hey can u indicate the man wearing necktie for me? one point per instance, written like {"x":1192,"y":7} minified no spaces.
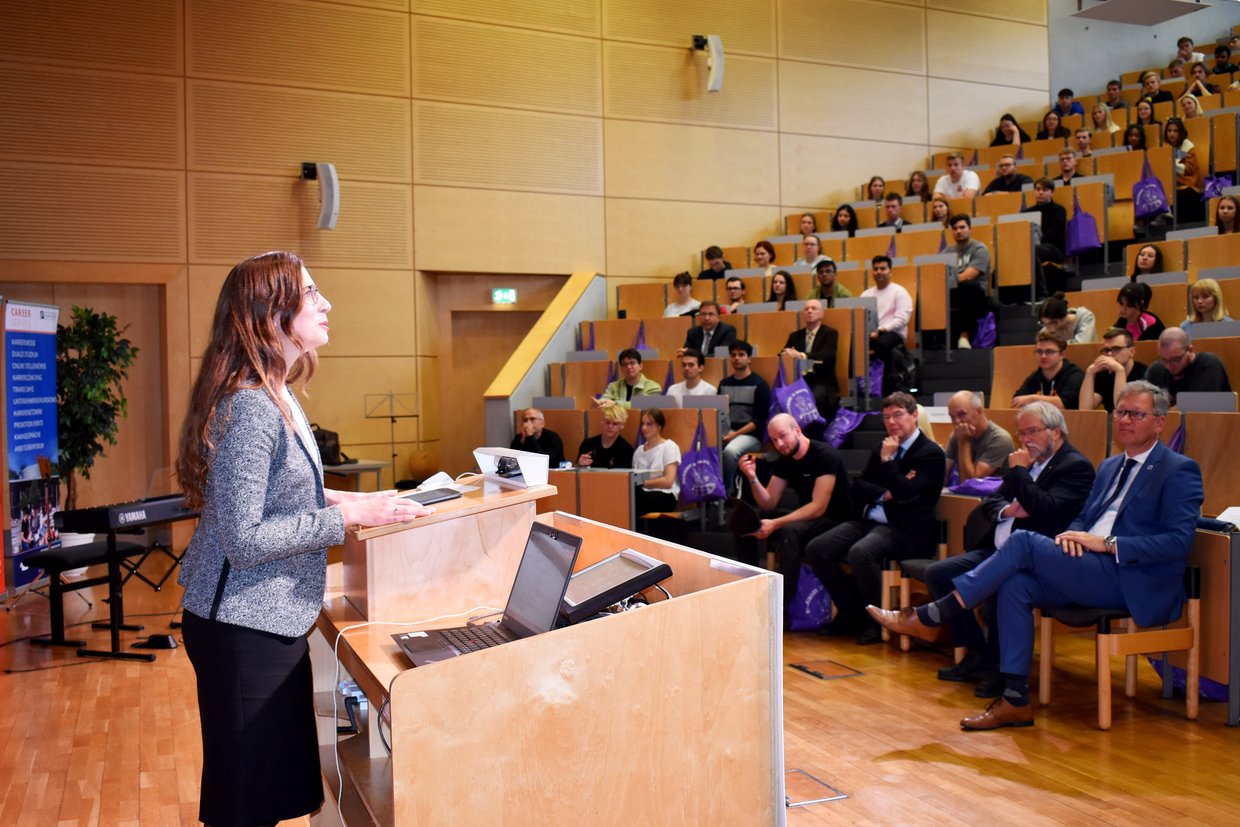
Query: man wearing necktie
{"x":893,"y":506}
{"x":817,"y":342}
{"x":1126,"y":550}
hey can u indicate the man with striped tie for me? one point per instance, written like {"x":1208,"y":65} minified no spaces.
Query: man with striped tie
{"x":1126,"y":550}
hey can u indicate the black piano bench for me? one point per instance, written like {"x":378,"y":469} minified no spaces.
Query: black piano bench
{"x":55,"y":562}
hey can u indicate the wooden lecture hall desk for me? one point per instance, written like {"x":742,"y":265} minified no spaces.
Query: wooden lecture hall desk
{"x":352,"y":472}
{"x":673,"y":708}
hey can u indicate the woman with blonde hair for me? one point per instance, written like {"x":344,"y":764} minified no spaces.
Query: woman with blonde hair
{"x":1206,"y":301}
{"x":1189,"y":107}
{"x":1100,"y":119}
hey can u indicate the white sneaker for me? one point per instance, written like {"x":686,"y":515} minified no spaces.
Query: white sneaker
{"x":963,"y":344}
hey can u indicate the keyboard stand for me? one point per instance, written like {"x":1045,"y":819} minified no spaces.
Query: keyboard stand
{"x":116,"y":612}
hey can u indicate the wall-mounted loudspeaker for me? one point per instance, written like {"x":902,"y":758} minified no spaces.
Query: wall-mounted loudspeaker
{"x":712,"y":44}
{"x":329,"y":191}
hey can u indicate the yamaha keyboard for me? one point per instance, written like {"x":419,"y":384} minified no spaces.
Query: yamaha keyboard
{"x":125,"y":516}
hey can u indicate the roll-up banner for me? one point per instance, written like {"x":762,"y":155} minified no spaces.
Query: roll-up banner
{"x":30,"y":434}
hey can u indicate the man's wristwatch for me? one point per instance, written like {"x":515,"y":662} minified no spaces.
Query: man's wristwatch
{"x":1110,"y":542}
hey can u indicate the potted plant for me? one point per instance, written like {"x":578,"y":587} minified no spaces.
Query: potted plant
{"x":92,"y":359}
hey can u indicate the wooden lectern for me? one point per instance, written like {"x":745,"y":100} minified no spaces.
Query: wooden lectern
{"x":672,"y":713}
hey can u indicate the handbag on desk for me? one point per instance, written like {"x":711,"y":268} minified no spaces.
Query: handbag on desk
{"x":329,"y":446}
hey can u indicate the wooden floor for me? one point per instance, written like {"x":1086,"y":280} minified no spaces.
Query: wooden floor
{"x":117,"y":743}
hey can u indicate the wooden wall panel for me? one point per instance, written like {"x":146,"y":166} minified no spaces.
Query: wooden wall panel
{"x":234,"y":216}
{"x":337,"y":395}
{"x":575,"y":18}
{"x":135,"y":35}
{"x":1026,"y":11}
{"x":68,"y":213}
{"x":204,"y":289}
{"x":662,"y":84}
{"x":365,"y":136}
{"x":961,"y":112}
{"x":853,"y":33}
{"x":999,"y":51}
{"x":480,"y":230}
{"x":748,"y":25}
{"x":318,"y":45}
{"x":63,"y":114}
{"x":813,"y":97}
{"x":372,"y":311}
{"x":825,"y":172}
{"x":648,"y":160}
{"x":521,"y":68}
{"x":661,"y":238}
{"x":507,"y":149}
{"x":429,"y":389}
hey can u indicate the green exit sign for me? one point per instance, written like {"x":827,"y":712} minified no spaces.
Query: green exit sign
{"x":504,"y":295}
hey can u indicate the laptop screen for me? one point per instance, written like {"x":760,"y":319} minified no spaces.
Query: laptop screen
{"x":541,"y":580}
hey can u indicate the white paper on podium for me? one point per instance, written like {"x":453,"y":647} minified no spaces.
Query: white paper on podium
{"x":533,"y":466}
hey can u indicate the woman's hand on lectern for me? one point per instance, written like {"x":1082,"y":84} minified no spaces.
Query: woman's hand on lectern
{"x":381,"y":508}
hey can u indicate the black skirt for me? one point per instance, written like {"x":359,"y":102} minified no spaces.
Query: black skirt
{"x":260,"y":752}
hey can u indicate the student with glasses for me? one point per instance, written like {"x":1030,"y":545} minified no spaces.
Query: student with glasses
{"x":1180,"y":368}
{"x":1056,"y":380}
{"x":1114,"y":368}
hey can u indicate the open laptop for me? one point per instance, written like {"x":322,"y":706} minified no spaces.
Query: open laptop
{"x":533,"y":604}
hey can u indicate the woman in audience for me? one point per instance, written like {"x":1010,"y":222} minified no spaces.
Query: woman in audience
{"x":1143,"y":113}
{"x":1206,"y":299}
{"x":1148,"y":260}
{"x":684,"y":304}
{"x":1225,"y":217}
{"x":1134,"y":315}
{"x":844,"y":220}
{"x":877,"y":189}
{"x":656,"y":454}
{"x":1100,"y":119}
{"x":1134,"y":138}
{"x":1009,"y":133}
{"x":783,"y":289}
{"x":940,"y":209}
{"x":918,"y":186}
{"x":764,"y":257}
{"x":1188,"y":183}
{"x":809,"y":224}
{"x":1199,"y":81}
{"x":1051,"y":127}
{"x":1189,"y":107}
{"x":607,"y":449}
{"x":1074,"y":324}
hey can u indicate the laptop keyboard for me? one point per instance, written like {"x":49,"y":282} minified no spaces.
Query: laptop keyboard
{"x":475,"y":637}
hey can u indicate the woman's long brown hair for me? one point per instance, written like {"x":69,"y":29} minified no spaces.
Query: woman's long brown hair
{"x":257,"y":304}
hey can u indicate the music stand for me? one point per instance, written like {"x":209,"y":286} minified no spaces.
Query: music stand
{"x":391,"y":406}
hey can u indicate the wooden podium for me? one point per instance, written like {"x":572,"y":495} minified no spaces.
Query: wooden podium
{"x":671,"y":713}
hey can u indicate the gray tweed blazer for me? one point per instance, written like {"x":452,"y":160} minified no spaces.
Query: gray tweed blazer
{"x":258,"y":557}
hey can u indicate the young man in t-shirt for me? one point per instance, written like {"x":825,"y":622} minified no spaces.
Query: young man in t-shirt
{"x":1056,"y":380}
{"x":1114,"y":368}
{"x":691,"y":364}
{"x":815,"y":472}
{"x":1180,"y":368}
{"x":749,"y":400}
{"x":958,"y":182}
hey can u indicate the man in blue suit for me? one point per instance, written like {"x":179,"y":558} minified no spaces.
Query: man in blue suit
{"x":1126,"y":550}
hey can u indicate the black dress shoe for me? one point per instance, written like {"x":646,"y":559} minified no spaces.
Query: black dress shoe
{"x":971,"y":668}
{"x":990,"y":686}
{"x":871,"y":634}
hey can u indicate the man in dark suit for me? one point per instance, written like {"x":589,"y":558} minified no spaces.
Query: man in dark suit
{"x":894,"y":500}
{"x":817,"y":342}
{"x":1127,"y":550}
{"x":1042,"y":492}
{"x":709,"y":333}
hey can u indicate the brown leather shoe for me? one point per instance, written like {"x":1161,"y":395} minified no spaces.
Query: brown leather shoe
{"x":999,"y":714}
{"x":901,"y":621}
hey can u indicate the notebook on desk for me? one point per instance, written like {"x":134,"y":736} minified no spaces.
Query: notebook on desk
{"x":533,"y":604}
